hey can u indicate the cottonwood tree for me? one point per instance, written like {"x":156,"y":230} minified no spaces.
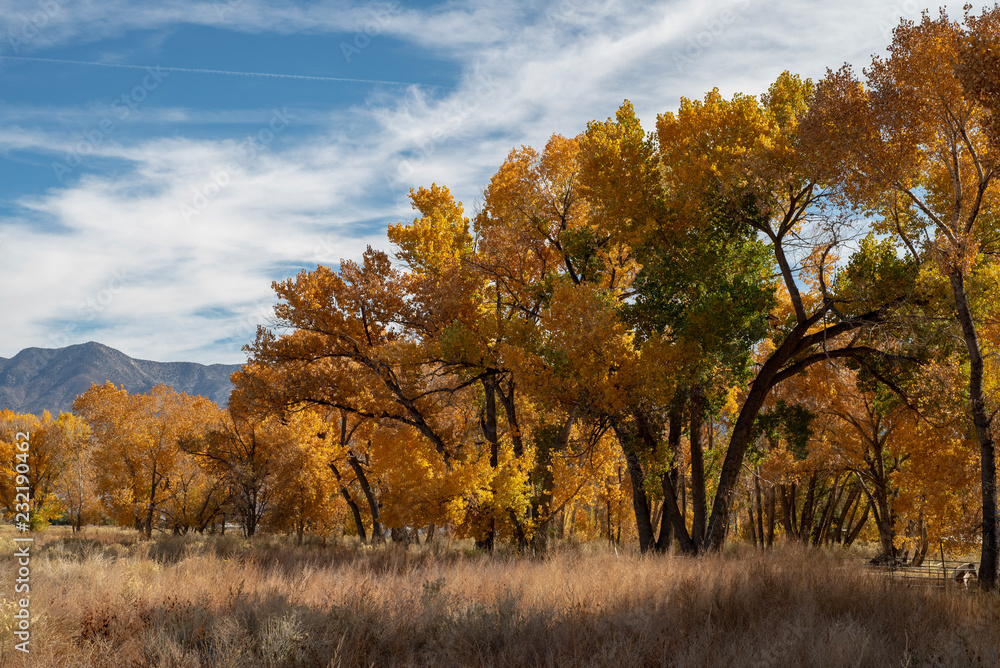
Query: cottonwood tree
{"x":703,"y":290}
{"x":263,"y":461}
{"x":356,"y":345}
{"x":46,"y":460}
{"x":75,"y":485}
{"x":302,"y":489}
{"x":136,"y":451}
{"x":464,"y":326}
{"x":197,"y":498}
{"x":732,"y":167}
{"x":915,"y":142}
{"x":543,"y":258}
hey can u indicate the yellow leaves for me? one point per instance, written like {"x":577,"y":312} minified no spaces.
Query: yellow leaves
{"x":137,"y":450}
{"x":924,"y":465}
{"x":535,"y":303}
{"x":619,"y":175}
{"x":735,"y":150}
{"x":492,"y":494}
{"x":979,"y":63}
{"x":912,"y":128}
{"x":509,"y":483}
{"x":585,"y":350}
{"x":701,"y":146}
{"x":534,"y":224}
{"x":938,"y":482}
{"x":536,"y":192}
{"x":438,"y":238}
{"x":47,"y":459}
{"x":303,"y":490}
{"x":787,"y":99}
{"x":415,"y":488}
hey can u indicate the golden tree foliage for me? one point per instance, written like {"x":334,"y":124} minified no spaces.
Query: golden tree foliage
{"x":136,"y":451}
{"x":196,"y":498}
{"x":416,"y":488}
{"x":298,"y":490}
{"x":75,"y":485}
{"x":915,"y":142}
{"x":914,"y":461}
{"x":438,"y":238}
{"x":46,"y":460}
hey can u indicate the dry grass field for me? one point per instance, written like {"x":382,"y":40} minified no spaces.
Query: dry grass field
{"x":109,"y":599}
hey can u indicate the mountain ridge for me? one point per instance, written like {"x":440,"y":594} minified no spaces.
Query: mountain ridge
{"x":39,"y":379}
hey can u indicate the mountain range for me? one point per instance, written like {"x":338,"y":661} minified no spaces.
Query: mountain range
{"x":40,"y":379}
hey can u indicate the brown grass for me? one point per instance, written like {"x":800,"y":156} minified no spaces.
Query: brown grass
{"x":109,"y":599}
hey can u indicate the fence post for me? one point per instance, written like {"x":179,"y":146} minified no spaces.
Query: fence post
{"x":944,"y":569}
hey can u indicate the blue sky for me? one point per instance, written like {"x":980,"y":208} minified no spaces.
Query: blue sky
{"x":153,"y":180}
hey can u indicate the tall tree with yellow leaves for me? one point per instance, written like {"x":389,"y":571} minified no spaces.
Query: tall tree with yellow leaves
{"x":136,"y":451}
{"x":916,"y":142}
{"x":71,"y":436}
{"x":46,"y":462}
{"x":722,"y":193}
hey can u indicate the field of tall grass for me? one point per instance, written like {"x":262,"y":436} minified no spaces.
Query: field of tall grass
{"x":106,"y":598}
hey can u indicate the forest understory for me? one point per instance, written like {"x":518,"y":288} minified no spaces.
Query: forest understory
{"x":107,"y":597}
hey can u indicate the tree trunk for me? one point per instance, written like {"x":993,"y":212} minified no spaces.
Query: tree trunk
{"x":519,"y":534}
{"x":806,"y":518}
{"x":671,"y":512}
{"x":684,"y":498}
{"x":488,"y":422}
{"x":510,"y":408}
{"x":611,"y":536}
{"x":797,"y":341}
{"x":359,"y":523}
{"x":378,"y":533}
{"x":699,"y":509}
{"x":833,"y":497}
{"x":760,"y":507}
{"x":543,"y":472}
{"x":147,"y":527}
{"x":640,"y":502}
{"x":990,"y":561}
{"x":402,"y":535}
{"x":850,"y":506}
{"x":853,"y":533}
{"x":656,"y":517}
{"x":918,"y":529}
{"x":884,"y":520}
{"x":739,"y":442}
{"x":669,"y":486}
{"x":787,"y":499}
{"x":252,"y":509}
{"x":770,"y":515}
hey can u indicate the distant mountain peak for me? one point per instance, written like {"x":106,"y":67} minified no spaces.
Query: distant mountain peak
{"x":40,"y":379}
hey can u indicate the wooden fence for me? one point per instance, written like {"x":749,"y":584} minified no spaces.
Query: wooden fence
{"x":931,"y":573}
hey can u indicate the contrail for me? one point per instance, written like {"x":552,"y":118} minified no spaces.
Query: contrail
{"x":206,"y":71}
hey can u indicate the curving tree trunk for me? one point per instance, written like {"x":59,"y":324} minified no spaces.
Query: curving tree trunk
{"x":990,"y":562}
{"x":378,"y":533}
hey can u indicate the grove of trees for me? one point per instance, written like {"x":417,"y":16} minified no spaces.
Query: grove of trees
{"x":774,"y":317}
